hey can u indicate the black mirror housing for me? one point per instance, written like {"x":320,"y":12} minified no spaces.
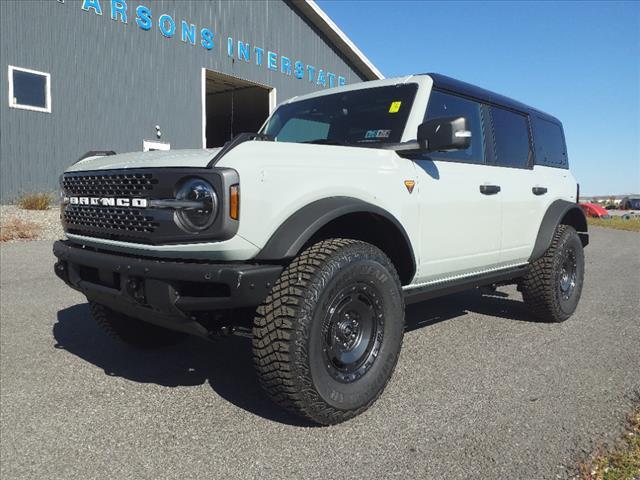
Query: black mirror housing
{"x":444,"y":134}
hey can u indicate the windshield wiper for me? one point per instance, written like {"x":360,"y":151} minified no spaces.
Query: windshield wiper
{"x":325,"y":141}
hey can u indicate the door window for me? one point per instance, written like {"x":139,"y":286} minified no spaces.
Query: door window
{"x":446,"y":105}
{"x":511,"y":134}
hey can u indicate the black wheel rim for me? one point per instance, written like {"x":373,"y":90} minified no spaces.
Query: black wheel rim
{"x":567,"y":278}
{"x":352,"y":332}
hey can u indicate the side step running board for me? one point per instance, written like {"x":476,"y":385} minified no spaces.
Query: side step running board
{"x":427,"y":292}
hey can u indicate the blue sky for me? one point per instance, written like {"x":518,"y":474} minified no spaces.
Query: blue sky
{"x":579,"y":61}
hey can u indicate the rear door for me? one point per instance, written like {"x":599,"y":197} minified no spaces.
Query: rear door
{"x":460,"y":210}
{"x":523,"y":195}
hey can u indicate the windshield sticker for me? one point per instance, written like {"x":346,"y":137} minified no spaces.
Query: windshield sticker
{"x":395,"y":107}
{"x":377,"y":134}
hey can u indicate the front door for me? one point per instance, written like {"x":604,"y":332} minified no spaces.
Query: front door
{"x":460,"y":207}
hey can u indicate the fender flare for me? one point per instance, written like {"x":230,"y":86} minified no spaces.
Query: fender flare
{"x":554,"y":216}
{"x":291,"y":236}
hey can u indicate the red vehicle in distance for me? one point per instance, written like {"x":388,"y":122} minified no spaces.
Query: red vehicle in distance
{"x":594,"y":210}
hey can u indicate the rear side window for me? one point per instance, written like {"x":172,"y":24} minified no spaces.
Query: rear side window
{"x":549,"y":141}
{"x":445,"y":105}
{"x":511,"y":135}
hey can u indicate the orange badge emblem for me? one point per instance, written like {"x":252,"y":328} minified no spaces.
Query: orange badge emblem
{"x":409,"y":184}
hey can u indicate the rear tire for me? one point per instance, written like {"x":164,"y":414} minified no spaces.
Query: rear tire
{"x":327,"y":338}
{"x":132,"y":331}
{"x":552,"y":287}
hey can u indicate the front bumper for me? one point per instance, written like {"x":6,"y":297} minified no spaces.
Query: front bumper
{"x":169,"y":293}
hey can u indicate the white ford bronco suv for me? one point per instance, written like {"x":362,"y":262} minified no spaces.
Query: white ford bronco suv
{"x":347,"y":205}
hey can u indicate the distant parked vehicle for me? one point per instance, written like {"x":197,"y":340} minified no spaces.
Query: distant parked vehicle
{"x":594,"y":210}
{"x":630,"y":203}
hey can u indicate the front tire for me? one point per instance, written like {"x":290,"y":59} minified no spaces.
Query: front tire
{"x":327,"y":338}
{"x":552,"y":287}
{"x":132,"y":331}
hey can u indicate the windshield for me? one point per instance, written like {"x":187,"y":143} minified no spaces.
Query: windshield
{"x":634,"y":203}
{"x":358,"y":117}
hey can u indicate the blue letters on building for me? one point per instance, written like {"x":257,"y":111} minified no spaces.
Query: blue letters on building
{"x":167,"y":25}
{"x":143,"y":17}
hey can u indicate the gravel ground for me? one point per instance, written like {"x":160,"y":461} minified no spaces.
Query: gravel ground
{"x":479,"y":392}
{"x":47,"y":220}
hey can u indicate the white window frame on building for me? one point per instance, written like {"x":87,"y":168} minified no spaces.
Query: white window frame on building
{"x":12,"y":100}
{"x":153,"y":145}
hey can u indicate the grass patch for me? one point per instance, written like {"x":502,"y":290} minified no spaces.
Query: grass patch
{"x":17,"y":229}
{"x":621,"y":463}
{"x":617,"y":223}
{"x":36,"y":201}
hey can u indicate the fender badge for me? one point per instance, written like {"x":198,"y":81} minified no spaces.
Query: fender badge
{"x":409,"y":184}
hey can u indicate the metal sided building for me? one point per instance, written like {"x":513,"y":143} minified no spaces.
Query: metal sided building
{"x":127,"y":75}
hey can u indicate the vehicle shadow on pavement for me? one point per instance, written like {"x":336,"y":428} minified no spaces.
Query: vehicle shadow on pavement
{"x":495,"y":304}
{"x":226,"y":365}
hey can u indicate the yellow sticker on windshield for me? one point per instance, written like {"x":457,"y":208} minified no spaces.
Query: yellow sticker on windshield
{"x":395,"y":107}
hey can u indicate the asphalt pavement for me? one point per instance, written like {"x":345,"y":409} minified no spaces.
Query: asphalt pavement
{"x":480,"y":391}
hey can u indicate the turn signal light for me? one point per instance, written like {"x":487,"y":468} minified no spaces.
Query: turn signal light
{"x":234,"y":202}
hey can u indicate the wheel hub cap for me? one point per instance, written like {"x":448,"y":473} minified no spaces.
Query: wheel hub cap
{"x":348,"y":331}
{"x":352,"y":332}
{"x":568,"y":274}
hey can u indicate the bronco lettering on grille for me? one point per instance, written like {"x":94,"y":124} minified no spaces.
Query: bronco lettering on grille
{"x":107,"y":201}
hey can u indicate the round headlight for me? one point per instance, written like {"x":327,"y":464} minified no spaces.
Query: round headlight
{"x":204,"y":205}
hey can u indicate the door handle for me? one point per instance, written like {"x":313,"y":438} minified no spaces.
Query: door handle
{"x":489,"y":189}
{"x":539,"y":190}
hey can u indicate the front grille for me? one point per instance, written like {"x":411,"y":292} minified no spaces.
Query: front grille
{"x":110,"y":185}
{"x":99,"y":211}
{"x":99,"y":219}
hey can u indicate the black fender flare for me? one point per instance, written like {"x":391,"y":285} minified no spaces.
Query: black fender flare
{"x":295,"y":232}
{"x":559,"y":212}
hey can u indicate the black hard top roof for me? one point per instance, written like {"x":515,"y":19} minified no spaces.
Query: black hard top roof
{"x":442,"y":82}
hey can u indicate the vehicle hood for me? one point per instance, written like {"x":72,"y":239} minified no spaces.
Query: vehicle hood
{"x":154,"y":159}
{"x":256,"y":154}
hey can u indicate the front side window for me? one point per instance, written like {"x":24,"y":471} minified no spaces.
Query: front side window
{"x":511,"y":135}
{"x":360,"y":118}
{"x":29,"y":89}
{"x":446,"y":105}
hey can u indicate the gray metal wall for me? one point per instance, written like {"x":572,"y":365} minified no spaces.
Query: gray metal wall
{"x":113,"y":82}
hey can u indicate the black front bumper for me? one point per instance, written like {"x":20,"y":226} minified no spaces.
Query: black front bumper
{"x":164,"y":292}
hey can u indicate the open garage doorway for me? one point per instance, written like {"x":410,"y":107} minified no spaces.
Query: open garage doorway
{"x":232,"y":106}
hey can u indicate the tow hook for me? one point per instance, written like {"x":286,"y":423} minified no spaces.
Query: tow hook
{"x":135,"y":288}
{"x":61,"y":271}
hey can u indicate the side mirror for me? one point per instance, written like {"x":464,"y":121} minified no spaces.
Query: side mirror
{"x":444,"y":134}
